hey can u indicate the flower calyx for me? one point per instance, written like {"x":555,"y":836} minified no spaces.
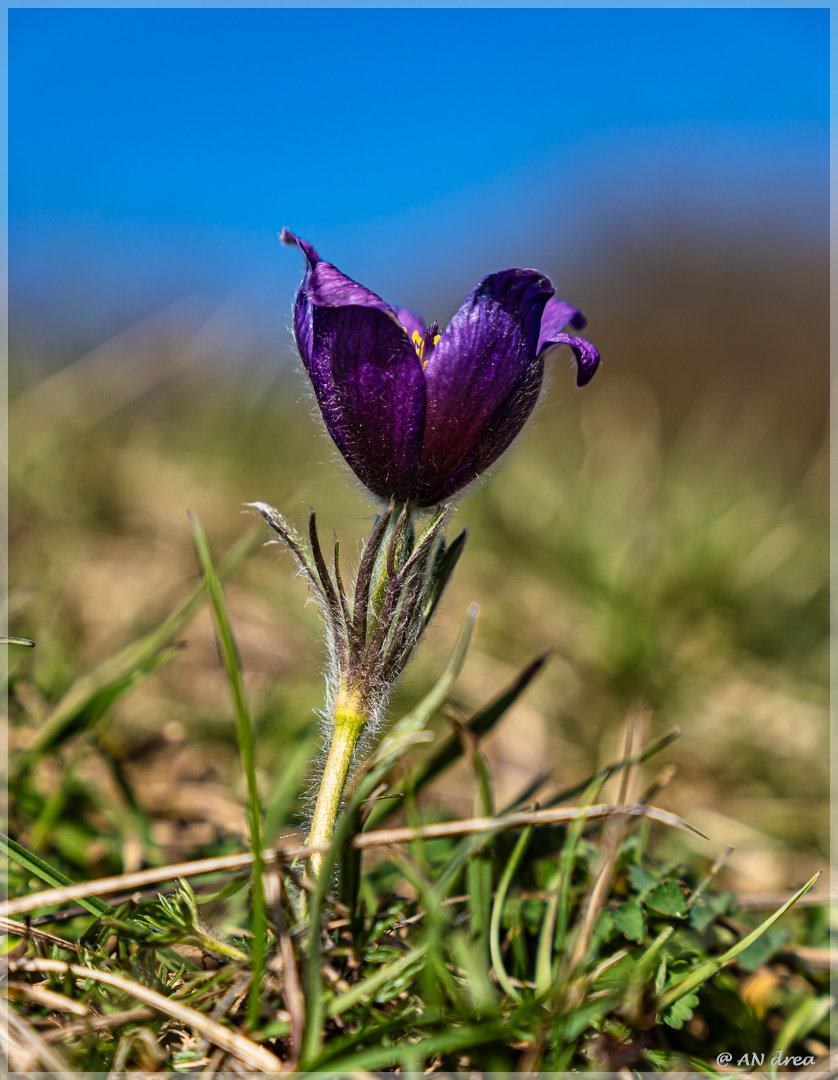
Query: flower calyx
{"x":373,"y":630}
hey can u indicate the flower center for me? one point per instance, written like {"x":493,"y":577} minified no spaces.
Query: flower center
{"x":424,"y":343}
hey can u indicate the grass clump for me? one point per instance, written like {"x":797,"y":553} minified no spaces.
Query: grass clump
{"x":566,"y":946}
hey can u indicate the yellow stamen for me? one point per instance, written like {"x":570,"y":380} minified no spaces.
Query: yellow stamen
{"x":419,"y":343}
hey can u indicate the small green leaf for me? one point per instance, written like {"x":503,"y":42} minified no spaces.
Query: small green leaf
{"x":680,"y":1012}
{"x":641,"y":879}
{"x":668,"y":898}
{"x":630,"y":921}
{"x":701,"y":915}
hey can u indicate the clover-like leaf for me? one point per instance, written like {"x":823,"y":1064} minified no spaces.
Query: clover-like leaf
{"x":668,"y":899}
{"x":630,"y":920}
{"x":679,"y":1013}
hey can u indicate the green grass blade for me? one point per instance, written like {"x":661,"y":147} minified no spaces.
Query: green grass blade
{"x":244,"y":735}
{"x":37,"y":866}
{"x":707,"y":970}
{"x":546,"y":937}
{"x":566,"y":864}
{"x":497,"y":911}
{"x":553,"y":934}
{"x":468,"y":956}
{"x":480,"y":871}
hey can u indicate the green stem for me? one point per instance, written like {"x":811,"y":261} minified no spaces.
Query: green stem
{"x":349,"y":719}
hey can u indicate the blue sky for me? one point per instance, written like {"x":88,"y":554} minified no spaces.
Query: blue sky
{"x":156,"y":153}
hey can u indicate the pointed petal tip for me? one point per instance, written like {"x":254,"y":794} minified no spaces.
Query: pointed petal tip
{"x":292,"y":240}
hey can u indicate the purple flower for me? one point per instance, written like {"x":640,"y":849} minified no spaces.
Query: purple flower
{"x":417,"y":412}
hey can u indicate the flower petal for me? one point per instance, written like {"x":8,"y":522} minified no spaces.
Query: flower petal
{"x":485,"y":352}
{"x":371,"y":391}
{"x":365,"y":372}
{"x":557,"y":315}
{"x":587,"y":356}
{"x":498,"y":432}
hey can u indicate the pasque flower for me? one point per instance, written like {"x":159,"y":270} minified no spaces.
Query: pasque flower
{"x":419,"y":412}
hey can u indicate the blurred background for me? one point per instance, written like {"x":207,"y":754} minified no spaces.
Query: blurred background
{"x":664,"y":530}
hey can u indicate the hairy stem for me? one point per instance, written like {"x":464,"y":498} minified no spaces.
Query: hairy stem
{"x":349,"y":720}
